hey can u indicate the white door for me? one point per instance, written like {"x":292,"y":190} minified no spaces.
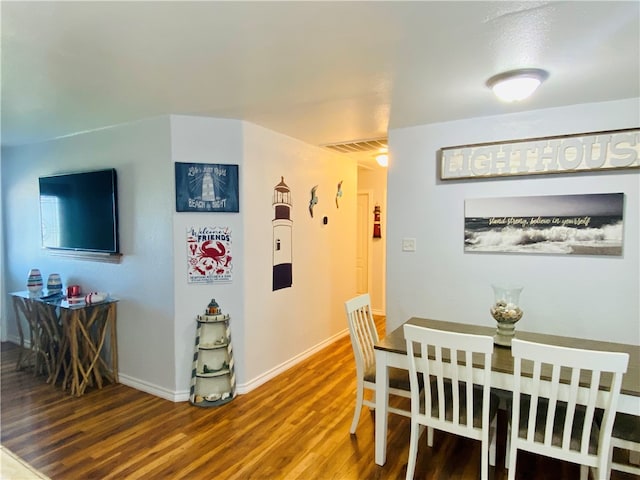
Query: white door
{"x":362,"y":250}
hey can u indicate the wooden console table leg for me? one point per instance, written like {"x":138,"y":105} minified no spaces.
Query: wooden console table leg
{"x":93,"y":331}
{"x":90,"y":352}
{"x":73,"y":349}
{"x":113,"y":342}
{"x":36,"y":339}
{"x":20,"y":305}
{"x":49,"y":336}
{"x":62,"y":364}
{"x":28,"y":357}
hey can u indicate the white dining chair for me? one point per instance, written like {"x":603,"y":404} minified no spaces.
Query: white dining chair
{"x":364,"y":335}
{"x":459,"y":398}
{"x":555,"y":415}
{"x":626,"y":436}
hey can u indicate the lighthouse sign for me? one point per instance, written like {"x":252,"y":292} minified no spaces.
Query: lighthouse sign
{"x":206,"y":187}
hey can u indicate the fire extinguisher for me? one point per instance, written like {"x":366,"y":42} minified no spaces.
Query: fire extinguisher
{"x":376,"y":222}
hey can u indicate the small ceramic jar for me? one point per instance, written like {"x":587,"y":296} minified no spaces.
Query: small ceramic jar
{"x":34,"y":282}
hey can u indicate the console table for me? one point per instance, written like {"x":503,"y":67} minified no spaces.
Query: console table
{"x":68,"y":340}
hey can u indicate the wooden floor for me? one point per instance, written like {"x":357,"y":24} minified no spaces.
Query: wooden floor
{"x":296,"y":426}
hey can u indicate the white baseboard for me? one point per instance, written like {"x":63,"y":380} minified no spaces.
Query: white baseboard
{"x":15,"y":339}
{"x":183,"y":396}
{"x":152,"y":389}
{"x":132,"y":382}
{"x":274,"y":372}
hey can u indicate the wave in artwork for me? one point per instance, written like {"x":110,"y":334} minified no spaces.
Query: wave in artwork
{"x":580,"y":234}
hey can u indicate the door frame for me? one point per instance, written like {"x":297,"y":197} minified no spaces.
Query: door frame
{"x":367,"y":229}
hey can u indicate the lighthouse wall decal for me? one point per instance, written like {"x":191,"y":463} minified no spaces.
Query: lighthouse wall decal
{"x":282,"y":233}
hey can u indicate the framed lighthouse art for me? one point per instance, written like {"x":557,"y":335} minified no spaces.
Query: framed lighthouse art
{"x":206,"y":187}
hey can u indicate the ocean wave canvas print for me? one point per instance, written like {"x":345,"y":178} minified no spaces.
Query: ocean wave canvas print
{"x":585,"y":224}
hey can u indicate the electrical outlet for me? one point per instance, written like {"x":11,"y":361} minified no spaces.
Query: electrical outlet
{"x":408,"y":244}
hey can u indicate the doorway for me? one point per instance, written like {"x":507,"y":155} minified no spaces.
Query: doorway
{"x":371,"y":252}
{"x":363,"y":280}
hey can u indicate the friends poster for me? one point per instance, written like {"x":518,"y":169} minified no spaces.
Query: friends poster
{"x":209,"y":255}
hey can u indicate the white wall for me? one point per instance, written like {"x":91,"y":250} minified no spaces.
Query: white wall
{"x":292,"y":322}
{"x":581,"y":296}
{"x":206,"y":140}
{"x":143,"y":281}
{"x":270,"y":330}
{"x":157,"y":308}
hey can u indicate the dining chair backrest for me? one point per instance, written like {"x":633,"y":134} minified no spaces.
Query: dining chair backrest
{"x":450,"y":372}
{"x":455,"y":369}
{"x":362,"y":330}
{"x":555,"y":393}
{"x":364,"y":336}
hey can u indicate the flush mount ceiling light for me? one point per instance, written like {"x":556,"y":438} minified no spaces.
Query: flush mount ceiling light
{"x":516,"y":85}
{"x":382,"y":159}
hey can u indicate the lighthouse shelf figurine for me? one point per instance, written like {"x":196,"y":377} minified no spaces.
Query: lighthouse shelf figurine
{"x":213,"y":381}
{"x":507,"y":312}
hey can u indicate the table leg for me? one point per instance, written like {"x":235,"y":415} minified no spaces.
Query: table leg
{"x":73,"y":349}
{"x":50,"y":336}
{"x":63,"y":365}
{"x":86,"y":348}
{"x":42,"y":340}
{"x":20,"y":305}
{"x":36,"y":344}
{"x":92,"y":327}
{"x":97,"y":321}
{"x":83,"y":342}
{"x":113,"y":345}
{"x":382,"y":400}
{"x":37,"y":336}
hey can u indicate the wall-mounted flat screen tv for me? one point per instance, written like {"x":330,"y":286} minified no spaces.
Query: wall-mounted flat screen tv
{"x":79,"y":211}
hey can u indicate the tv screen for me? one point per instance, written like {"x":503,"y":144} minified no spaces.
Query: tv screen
{"x":79,"y":211}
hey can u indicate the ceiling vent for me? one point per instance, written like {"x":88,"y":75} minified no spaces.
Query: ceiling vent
{"x":362,"y":146}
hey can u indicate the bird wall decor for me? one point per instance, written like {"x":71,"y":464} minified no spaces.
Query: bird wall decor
{"x":314,"y":200}
{"x":339,"y":193}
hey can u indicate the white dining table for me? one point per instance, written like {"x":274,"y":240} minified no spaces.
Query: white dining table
{"x":391,"y":351}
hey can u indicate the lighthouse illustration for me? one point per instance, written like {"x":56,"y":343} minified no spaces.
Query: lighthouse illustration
{"x":208,"y":188}
{"x":282,"y":268}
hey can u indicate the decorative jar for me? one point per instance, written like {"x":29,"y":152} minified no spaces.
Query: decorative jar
{"x":54,"y":284}
{"x":506,"y":311}
{"x":34,"y":282}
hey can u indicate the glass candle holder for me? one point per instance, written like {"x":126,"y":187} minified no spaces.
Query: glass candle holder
{"x":506,"y":311}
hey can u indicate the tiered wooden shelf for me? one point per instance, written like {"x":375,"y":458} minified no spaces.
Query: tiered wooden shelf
{"x":213,"y":380}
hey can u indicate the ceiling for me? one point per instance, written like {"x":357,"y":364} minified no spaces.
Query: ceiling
{"x":322,"y":72}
